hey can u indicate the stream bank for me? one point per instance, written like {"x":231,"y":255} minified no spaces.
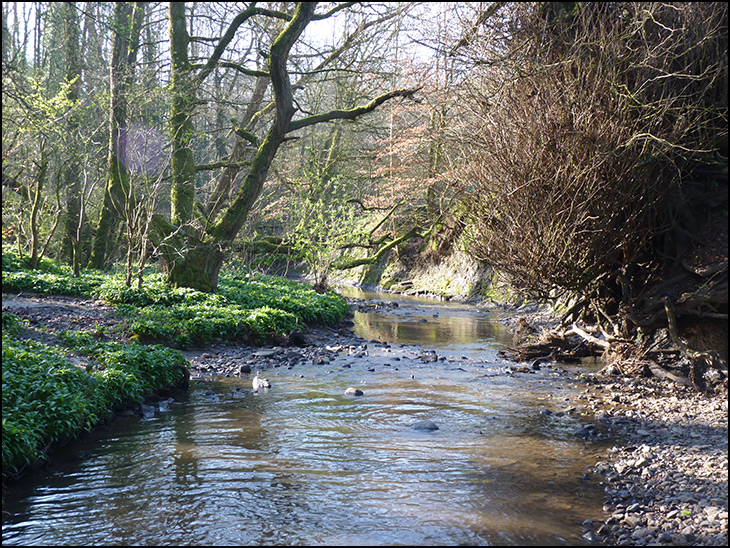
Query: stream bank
{"x":667,"y":477}
{"x":665,"y":472}
{"x":308,"y":464}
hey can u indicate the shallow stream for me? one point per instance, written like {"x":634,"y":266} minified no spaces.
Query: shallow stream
{"x":304,"y":464}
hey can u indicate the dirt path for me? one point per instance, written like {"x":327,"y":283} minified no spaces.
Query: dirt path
{"x":47,"y":315}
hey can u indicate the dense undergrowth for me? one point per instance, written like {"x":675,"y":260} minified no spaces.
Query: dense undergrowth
{"x":51,"y":393}
{"x":47,"y":398}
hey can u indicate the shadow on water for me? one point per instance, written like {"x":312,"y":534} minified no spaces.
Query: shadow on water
{"x":304,"y":464}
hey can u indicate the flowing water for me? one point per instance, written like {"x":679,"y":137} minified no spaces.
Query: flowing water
{"x":303,"y":464}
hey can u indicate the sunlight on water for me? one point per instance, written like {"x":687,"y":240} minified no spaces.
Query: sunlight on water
{"x":447,"y":326}
{"x":304,"y":464}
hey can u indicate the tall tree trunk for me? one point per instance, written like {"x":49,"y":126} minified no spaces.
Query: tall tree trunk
{"x":72,"y":169}
{"x":35,"y":206}
{"x":181,"y":125}
{"x":127,"y":23}
{"x":193,"y":262}
{"x":193,"y":258}
{"x":226,"y":229}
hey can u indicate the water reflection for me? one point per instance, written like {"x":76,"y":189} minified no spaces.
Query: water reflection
{"x":450,"y":326}
{"x":304,"y":464}
{"x":467,"y":335}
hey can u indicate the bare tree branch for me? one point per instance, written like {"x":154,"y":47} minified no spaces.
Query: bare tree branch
{"x":353,"y":113}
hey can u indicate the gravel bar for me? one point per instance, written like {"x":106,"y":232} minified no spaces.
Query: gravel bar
{"x":666,"y":480}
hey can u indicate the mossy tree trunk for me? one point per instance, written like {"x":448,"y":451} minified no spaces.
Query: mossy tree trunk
{"x":127,"y":23}
{"x":192,"y":254}
{"x":181,"y":123}
{"x":195,"y":262}
{"x":187,"y":261}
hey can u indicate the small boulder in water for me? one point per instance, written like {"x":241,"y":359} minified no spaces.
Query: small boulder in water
{"x":147,"y":410}
{"x":429,"y":356}
{"x":425,"y":425}
{"x":259,"y":383}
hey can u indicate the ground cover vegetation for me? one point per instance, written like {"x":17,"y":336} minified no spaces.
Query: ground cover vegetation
{"x":54,"y":389}
{"x":248,"y":307}
{"x":48,"y":398}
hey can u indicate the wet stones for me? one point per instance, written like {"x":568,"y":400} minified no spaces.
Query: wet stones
{"x":429,"y":356}
{"x":425,"y":425}
{"x":241,"y":360}
{"x":362,"y":305}
{"x":666,"y":482}
{"x":589,"y":432}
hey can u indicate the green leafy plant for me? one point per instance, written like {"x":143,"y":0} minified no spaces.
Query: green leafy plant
{"x":247,"y":305}
{"x":46,"y":398}
{"x":325,"y":227}
{"x":12,"y":324}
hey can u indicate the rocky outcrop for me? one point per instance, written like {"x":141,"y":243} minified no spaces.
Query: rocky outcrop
{"x":456,"y":276}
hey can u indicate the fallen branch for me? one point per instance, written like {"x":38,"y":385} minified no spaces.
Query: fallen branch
{"x":575,"y":330}
{"x":662,"y":373}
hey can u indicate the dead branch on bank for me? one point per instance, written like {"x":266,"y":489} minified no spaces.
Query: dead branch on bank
{"x":702,"y":301}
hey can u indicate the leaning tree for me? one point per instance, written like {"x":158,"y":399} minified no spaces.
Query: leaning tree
{"x":194,"y":241}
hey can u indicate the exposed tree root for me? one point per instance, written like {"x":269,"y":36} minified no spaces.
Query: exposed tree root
{"x":680,"y":363}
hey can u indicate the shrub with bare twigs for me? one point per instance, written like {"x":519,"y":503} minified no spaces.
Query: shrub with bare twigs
{"x":597,"y":147}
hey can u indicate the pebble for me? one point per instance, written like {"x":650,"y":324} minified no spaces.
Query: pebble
{"x":427,"y":425}
{"x":666,"y":478}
